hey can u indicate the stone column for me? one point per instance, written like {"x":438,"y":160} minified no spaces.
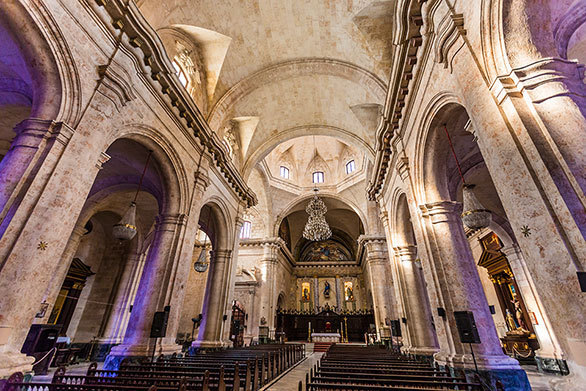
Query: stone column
{"x":30,"y":137}
{"x":114,"y":331}
{"x":338,"y":293}
{"x":315,"y":293}
{"x":210,"y":330}
{"x":417,"y":310}
{"x":268,"y":266}
{"x":381,"y":282}
{"x":460,"y":289}
{"x":59,"y":276}
{"x":152,"y":291}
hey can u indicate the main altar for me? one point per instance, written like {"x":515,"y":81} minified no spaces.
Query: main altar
{"x":326,"y":337}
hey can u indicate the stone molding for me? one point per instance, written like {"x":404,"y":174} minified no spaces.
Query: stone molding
{"x":567,"y":25}
{"x":126,"y":17}
{"x":168,"y":222}
{"x":407,"y":47}
{"x":31,"y":131}
{"x":536,"y":74}
{"x":406,"y":252}
{"x":402,"y":167}
{"x":448,"y":32}
{"x":104,"y":157}
{"x":441,"y":211}
{"x":116,"y":86}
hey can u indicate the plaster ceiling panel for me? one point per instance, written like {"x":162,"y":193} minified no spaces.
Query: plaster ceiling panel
{"x":265,"y":32}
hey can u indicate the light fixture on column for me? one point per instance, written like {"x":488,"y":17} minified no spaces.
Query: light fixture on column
{"x":316,"y":228}
{"x":474,"y":215}
{"x":125,"y":229}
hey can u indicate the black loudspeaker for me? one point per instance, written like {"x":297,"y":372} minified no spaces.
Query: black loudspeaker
{"x":466,"y":327}
{"x":582,"y":280}
{"x":396,"y":328}
{"x":491,"y":309}
{"x":159,"y":327}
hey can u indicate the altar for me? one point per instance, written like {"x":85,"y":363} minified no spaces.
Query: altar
{"x":326,"y":337}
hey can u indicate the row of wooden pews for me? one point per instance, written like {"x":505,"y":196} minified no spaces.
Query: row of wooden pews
{"x":242,"y":369}
{"x":357,"y":368}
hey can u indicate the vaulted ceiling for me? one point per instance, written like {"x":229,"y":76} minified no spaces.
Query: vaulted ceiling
{"x":294,"y":67}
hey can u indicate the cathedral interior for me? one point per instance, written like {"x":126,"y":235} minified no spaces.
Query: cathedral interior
{"x":224,"y":177}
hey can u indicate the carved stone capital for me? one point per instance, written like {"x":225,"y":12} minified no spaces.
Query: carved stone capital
{"x":31,"y":131}
{"x":441,"y":211}
{"x":169,"y":222}
{"x":406,"y":253}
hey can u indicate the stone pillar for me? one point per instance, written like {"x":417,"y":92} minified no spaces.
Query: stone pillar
{"x":268,"y":266}
{"x":315,"y":293}
{"x":460,"y":289}
{"x":339,"y":293}
{"x":59,"y":276}
{"x":419,"y":326}
{"x":30,"y":137}
{"x":116,"y":325}
{"x":210,"y":330}
{"x":153,"y":291}
{"x":550,"y":354}
{"x":377,"y":266}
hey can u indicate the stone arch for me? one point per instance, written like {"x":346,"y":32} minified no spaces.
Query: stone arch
{"x":287,"y":210}
{"x":174,"y":175}
{"x":305,"y":130}
{"x":54,"y":78}
{"x":431,"y":180}
{"x":295,"y":68}
{"x":219,"y":217}
{"x":401,"y":221}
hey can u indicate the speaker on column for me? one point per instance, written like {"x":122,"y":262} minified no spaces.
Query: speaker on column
{"x":159,"y":326}
{"x":466,"y":327}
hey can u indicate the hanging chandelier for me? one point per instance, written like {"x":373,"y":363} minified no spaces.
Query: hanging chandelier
{"x":474,"y":215}
{"x":125,"y":229}
{"x":316,"y":228}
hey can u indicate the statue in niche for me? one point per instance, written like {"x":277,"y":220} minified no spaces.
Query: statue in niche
{"x":349,"y":293}
{"x":518,"y":313}
{"x":511,"y":324}
{"x":305,"y":294}
{"x":327,"y":289}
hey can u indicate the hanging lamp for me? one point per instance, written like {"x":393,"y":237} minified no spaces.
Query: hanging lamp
{"x":125,"y":229}
{"x":474,"y":215}
{"x":316,"y":228}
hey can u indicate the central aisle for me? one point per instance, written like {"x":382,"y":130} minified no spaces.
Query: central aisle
{"x":290,"y":381}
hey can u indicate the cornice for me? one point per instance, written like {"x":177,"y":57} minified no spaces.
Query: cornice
{"x":399,"y":87}
{"x":125,"y":16}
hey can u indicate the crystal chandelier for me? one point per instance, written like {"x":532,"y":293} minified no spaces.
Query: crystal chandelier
{"x":316,"y":228}
{"x":474,"y":215}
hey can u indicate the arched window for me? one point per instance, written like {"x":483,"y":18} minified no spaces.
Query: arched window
{"x":318,"y":177}
{"x":350,"y":167}
{"x":245,"y":230}
{"x":180,"y":74}
{"x":284,"y":172}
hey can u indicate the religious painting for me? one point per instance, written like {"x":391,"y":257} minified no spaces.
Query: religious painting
{"x":348,"y":291}
{"x":305,"y":291}
{"x":325,"y":251}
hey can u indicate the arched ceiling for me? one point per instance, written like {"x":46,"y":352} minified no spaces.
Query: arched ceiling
{"x":319,"y":66}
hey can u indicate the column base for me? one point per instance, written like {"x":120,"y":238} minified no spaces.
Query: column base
{"x":15,"y":362}
{"x":511,"y":379}
{"x":552,"y":365}
{"x":420,"y":351}
{"x":137,"y":353}
{"x":205,"y":344}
